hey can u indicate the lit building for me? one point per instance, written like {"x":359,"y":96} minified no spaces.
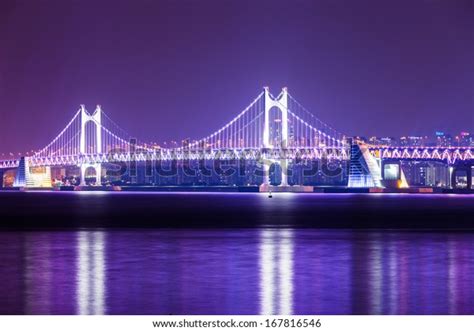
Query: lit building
{"x":466,"y":139}
{"x":413,"y":141}
{"x":443,"y":139}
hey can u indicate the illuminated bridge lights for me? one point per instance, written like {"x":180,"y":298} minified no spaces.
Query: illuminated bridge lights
{"x":448,"y":154}
{"x":277,"y":129}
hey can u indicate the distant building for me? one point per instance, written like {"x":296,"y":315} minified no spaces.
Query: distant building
{"x":466,"y":139}
{"x":440,"y":139}
{"x":426,"y":173}
{"x":389,"y":141}
{"x":413,"y":141}
{"x":383,"y":141}
{"x":443,"y":139}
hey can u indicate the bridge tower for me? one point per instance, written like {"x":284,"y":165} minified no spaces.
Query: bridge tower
{"x":96,"y":118}
{"x":281,"y":103}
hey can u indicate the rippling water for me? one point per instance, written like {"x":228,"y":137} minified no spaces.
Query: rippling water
{"x":236,"y":271}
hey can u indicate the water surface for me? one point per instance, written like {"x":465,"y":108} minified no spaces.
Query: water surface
{"x":246,"y":271}
{"x":171,"y":253}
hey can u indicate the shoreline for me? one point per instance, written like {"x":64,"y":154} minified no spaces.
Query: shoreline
{"x":243,"y":189}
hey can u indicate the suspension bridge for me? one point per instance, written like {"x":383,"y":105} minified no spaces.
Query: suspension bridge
{"x":270,"y":130}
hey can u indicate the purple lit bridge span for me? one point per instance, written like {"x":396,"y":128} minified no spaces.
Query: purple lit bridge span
{"x":270,"y":130}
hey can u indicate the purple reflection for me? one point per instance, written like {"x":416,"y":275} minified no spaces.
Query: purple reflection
{"x":90,"y":290}
{"x":460,"y":279}
{"x":276,"y":272}
{"x":177,"y":272}
{"x":251,"y":271}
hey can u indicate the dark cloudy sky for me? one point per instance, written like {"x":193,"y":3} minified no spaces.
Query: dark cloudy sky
{"x":174,"y":69}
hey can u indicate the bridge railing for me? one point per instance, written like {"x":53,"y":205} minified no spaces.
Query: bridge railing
{"x":449,"y":154}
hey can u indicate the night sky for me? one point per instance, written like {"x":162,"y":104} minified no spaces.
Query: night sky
{"x":170,"y":70}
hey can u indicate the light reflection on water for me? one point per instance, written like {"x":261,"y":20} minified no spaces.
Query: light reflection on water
{"x":375,"y":274}
{"x":251,"y":271}
{"x":276,"y":272}
{"x":91,"y":273}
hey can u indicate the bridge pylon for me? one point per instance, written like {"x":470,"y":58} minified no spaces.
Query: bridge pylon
{"x":98,"y":173}
{"x":281,"y":103}
{"x":96,"y":118}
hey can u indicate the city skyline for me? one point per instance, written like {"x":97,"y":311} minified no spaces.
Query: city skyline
{"x":412,"y":82}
